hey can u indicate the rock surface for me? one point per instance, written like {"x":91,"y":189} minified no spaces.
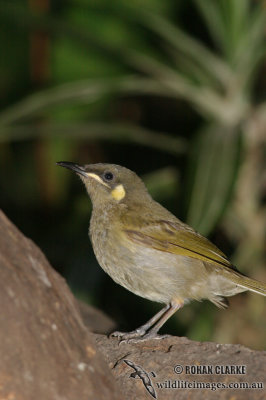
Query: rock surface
{"x":46,"y":351}
{"x":173,"y":362}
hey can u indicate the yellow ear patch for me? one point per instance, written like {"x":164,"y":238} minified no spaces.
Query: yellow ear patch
{"x":118,"y":193}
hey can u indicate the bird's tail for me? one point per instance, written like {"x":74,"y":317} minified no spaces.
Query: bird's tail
{"x":248,"y":283}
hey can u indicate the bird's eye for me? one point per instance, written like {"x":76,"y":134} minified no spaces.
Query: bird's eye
{"x":108,"y":176}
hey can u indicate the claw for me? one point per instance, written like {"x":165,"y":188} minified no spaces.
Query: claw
{"x":136,"y":336}
{"x":116,"y":334}
{"x":129,"y":335}
{"x":148,"y":336}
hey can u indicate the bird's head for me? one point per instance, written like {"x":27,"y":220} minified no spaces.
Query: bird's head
{"x":109,"y":183}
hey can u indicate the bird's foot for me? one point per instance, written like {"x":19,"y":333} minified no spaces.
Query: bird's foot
{"x":136,"y":336}
{"x":147,"y":336}
{"x":124,"y":336}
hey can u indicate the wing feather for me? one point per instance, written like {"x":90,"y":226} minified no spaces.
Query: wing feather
{"x":179,"y":239}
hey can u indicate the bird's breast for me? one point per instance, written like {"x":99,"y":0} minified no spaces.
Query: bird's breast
{"x":147,"y":272}
{"x":109,"y":246}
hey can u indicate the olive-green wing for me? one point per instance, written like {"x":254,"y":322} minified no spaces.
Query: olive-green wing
{"x":177,"y":238}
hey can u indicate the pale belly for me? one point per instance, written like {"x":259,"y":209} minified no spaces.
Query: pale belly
{"x":152,"y":274}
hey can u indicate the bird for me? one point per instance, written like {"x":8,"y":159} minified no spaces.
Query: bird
{"x":146,"y":249}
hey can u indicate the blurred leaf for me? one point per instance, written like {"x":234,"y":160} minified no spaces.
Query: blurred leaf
{"x":213,"y":19}
{"x":188,"y":47}
{"x":19,"y":15}
{"x":112,"y":132}
{"x":237,"y":28}
{"x":225,"y":20}
{"x":209,"y":83}
{"x":82,"y":35}
{"x":166,"y":82}
{"x":251,"y":47}
{"x":214,"y":164}
{"x":79,"y":92}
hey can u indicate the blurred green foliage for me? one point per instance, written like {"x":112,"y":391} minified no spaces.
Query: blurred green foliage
{"x":172,"y":90}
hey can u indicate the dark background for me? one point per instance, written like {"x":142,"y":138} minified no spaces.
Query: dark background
{"x":172,"y":90}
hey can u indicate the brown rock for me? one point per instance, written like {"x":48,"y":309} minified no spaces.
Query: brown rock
{"x":94,"y":319}
{"x":175,"y":362}
{"x":46,"y":351}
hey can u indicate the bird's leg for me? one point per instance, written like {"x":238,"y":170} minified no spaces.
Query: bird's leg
{"x":153,"y":332}
{"x":149,"y":330}
{"x":143,"y":328}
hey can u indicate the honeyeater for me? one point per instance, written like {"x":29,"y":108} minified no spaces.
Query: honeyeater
{"x":146,"y":249}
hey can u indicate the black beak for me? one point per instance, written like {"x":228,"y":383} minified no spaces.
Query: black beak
{"x":74,"y":167}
